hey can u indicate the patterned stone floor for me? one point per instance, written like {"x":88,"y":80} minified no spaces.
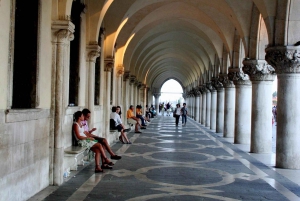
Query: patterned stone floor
{"x":177,"y":163}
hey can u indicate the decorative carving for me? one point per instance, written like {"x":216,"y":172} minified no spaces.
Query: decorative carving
{"x":156,"y":95}
{"x":285,"y":59}
{"x":132,"y":79}
{"x":259,"y":70}
{"x":93,"y":55}
{"x":126,"y":76}
{"x":223,"y":78}
{"x":238,"y":76}
{"x":64,"y":36}
{"x":108,"y":64}
{"x":120,"y":70}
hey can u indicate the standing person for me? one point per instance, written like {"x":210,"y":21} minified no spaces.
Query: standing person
{"x":183,"y":112}
{"x":118,"y":124}
{"x":163,"y":109}
{"x":177,"y":113}
{"x":87,"y":115}
{"x":168,"y":108}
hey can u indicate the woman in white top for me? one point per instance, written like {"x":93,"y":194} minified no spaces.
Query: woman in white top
{"x":88,"y":142}
{"x":176,"y":113}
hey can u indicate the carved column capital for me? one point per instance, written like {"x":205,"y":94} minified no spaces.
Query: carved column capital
{"x":132,"y":79}
{"x":238,"y":76}
{"x":139,"y":85}
{"x":285,"y":59}
{"x":156,"y":95}
{"x":93,"y":51}
{"x":223,"y":78}
{"x":126,"y":76}
{"x":108,"y":64}
{"x":259,"y":70}
{"x":63,"y":30}
{"x":120,"y":70}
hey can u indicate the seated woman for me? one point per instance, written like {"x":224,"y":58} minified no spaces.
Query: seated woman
{"x":89,"y":143}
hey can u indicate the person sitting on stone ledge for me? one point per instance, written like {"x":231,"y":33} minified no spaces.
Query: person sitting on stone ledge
{"x":139,"y":114}
{"x":119,"y":125}
{"x":87,"y":115}
{"x":89,"y":142}
{"x":132,"y":119}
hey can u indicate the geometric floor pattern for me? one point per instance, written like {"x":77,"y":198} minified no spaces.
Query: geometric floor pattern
{"x":178,"y":163}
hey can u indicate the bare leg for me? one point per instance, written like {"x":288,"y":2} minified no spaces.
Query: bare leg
{"x":97,"y":158}
{"x":107,"y":147}
{"x":99,"y":147}
{"x":124,"y":135}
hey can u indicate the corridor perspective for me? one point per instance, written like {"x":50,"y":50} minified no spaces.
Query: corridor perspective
{"x":65,"y":66}
{"x":179,"y":163}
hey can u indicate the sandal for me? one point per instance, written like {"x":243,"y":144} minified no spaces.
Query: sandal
{"x":108,"y":162}
{"x":106,"y":166}
{"x":98,"y":169}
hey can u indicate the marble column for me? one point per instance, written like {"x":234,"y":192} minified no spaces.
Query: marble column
{"x":157,"y":95}
{"x":213,"y":111}
{"x":93,"y":53}
{"x":108,"y":68}
{"x":203,"y":116}
{"x":131,"y":82}
{"x":208,"y":104}
{"x":126,"y":93}
{"x":63,"y":34}
{"x":229,"y":106}
{"x":286,"y":61}
{"x":197,"y":106}
{"x":262,"y":76}
{"x":200,"y":105}
{"x":220,"y":107}
{"x":242,"y":129}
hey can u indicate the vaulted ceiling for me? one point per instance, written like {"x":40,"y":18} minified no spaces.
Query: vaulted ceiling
{"x":180,"y":39}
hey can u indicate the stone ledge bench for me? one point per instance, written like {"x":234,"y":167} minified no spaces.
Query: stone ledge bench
{"x":74,"y":152}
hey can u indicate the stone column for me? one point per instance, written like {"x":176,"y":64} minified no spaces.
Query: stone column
{"x":200,"y":104}
{"x":93,"y":52}
{"x":229,"y":106}
{"x":242,"y":129}
{"x":286,"y":61}
{"x":156,"y":95}
{"x":126,"y":93}
{"x":220,"y":107}
{"x":262,"y":76}
{"x":208,"y":104}
{"x":132,"y":81}
{"x":203,"y":116}
{"x":197,"y":106}
{"x":213,"y":111}
{"x":120,"y":70}
{"x":63,"y":34}
{"x":108,"y":67}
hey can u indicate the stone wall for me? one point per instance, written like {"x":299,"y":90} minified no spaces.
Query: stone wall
{"x":24,"y":152}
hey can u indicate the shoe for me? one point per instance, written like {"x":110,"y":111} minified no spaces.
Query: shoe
{"x":116,"y":157}
{"x":138,"y":132}
{"x":121,"y":140}
{"x":143,"y":128}
{"x":105,"y":166}
{"x":98,"y":169}
{"x":129,"y":142}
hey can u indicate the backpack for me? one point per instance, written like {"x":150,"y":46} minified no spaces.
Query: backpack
{"x":183,"y":110}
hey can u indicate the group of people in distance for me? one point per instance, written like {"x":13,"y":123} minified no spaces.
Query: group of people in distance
{"x":86,"y":138}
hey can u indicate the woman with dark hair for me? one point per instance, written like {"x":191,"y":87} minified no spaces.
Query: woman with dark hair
{"x":88,"y":142}
{"x":119,"y":111}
